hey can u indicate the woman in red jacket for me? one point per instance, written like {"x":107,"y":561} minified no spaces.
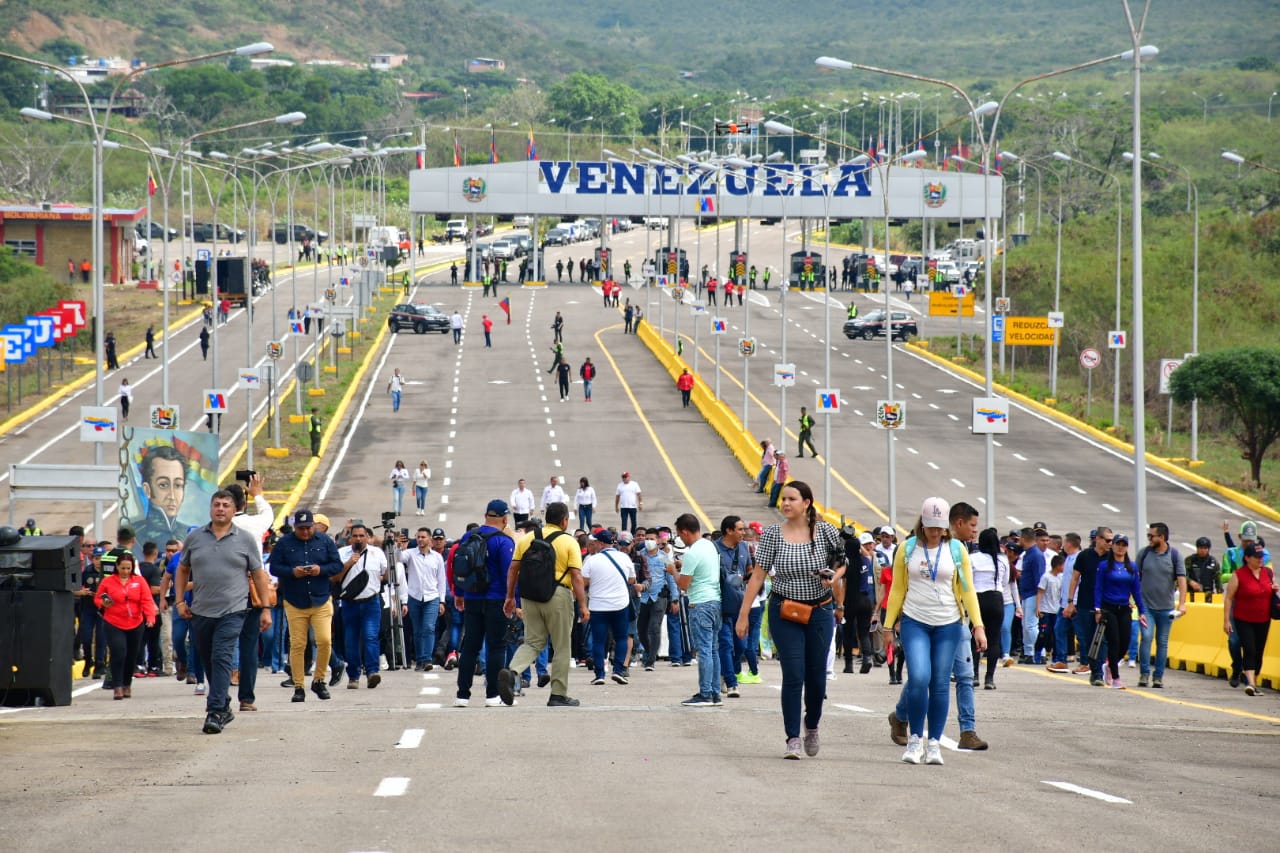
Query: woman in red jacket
{"x":125,"y":599}
{"x":685,"y":383}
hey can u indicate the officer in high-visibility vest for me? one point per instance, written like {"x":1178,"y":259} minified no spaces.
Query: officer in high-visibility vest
{"x":315,"y":428}
{"x":30,"y":529}
{"x":853,"y":310}
{"x":752,"y":275}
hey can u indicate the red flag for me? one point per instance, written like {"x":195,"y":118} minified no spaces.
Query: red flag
{"x":422,"y":160}
{"x":457,"y":152}
{"x":505,"y":305}
{"x":151,"y":183}
{"x":493,"y":146}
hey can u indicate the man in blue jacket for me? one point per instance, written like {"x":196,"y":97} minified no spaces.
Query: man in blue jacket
{"x":483,"y":622}
{"x":304,"y":562}
{"x":1031,"y":568}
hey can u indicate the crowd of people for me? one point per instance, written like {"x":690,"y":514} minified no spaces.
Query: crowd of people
{"x":517,"y":599}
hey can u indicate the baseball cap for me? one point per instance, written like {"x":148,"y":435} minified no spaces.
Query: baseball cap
{"x":603,"y":536}
{"x":849,"y":530}
{"x":1249,"y":530}
{"x":1254,"y":550}
{"x":321,"y":518}
{"x":933,"y":512}
{"x":1120,"y":539}
{"x":624,"y":538}
{"x":496,"y":507}
{"x":438,"y":533}
{"x":884,"y":530}
{"x":1203,"y":542}
{"x":626,"y":473}
{"x":98,"y":551}
{"x":1040,"y":525}
{"x":757,"y":527}
{"x":866,"y":539}
{"x":304,"y":518}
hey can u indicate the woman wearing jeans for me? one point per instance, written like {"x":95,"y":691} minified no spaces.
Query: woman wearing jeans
{"x":1118,"y":581}
{"x":421,"y":481}
{"x":585,"y":502}
{"x":1247,"y":612}
{"x":399,"y":477}
{"x":991,"y":581}
{"x":805,"y":558}
{"x":126,"y":602}
{"x":932,"y":588}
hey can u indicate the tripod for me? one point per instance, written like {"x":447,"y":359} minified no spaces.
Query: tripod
{"x":396,"y":656}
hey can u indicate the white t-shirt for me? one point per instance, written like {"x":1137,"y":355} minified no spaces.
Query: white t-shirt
{"x":1052,"y":598}
{"x":553,"y":494}
{"x":628,"y":495}
{"x":585,"y":497}
{"x":374,"y":562}
{"x":422,"y":477}
{"x":521,"y":501}
{"x":607,"y":591}
{"x":930,"y":598}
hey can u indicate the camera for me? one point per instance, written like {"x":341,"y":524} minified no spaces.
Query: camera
{"x":245,"y":475}
{"x":825,"y":574}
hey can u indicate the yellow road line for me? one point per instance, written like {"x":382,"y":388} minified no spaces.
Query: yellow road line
{"x":1158,"y":698}
{"x":653,"y":436}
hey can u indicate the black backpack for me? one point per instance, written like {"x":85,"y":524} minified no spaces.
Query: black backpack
{"x":732,"y":588}
{"x":471,"y":563}
{"x":538,"y":581}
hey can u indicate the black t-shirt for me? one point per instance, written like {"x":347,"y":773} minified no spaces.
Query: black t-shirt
{"x":1087,"y":565}
{"x":153,"y":575}
{"x":89,"y":579}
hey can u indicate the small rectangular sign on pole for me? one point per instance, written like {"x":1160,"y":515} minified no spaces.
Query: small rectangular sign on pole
{"x":1167,"y":367}
{"x":99,"y":424}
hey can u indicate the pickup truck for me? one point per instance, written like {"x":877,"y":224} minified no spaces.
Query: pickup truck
{"x":656,"y":222}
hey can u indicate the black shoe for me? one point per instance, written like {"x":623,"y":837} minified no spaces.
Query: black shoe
{"x":558,"y":701}
{"x":506,"y":686}
{"x":866,"y":666}
{"x":288,"y":682}
{"x":544,"y":680}
{"x":318,"y":688}
{"x":989,"y":683}
{"x":373,"y":680}
{"x":213,"y":724}
{"x":299,"y":695}
{"x":848,"y":665}
{"x":1234,"y":682}
{"x":226,"y":717}
{"x":419,"y":667}
{"x":335,"y":678}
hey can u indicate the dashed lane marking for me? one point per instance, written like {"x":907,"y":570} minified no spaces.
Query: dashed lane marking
{"x":1088,"y":792}
{"x":411,"y":739}
{"x":392,"y":786}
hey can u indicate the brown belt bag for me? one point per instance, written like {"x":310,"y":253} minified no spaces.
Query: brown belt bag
{"x":798,"y":611}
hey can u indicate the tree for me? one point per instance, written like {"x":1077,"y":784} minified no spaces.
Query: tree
{"x":1245,"y":382}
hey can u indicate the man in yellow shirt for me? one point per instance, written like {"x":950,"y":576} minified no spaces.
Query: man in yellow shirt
{"x":551,"y":620}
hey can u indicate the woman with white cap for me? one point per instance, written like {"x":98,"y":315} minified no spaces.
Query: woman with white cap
{"x":932,"y":590}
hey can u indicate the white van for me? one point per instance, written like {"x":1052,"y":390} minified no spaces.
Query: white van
{"x":456,"y":229}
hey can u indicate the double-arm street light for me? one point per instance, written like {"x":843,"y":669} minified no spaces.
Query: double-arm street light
{"x":1232,"y":157}
{"x":986,"y":141}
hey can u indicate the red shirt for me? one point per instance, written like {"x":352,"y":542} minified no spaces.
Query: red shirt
{"x":1253,"y":596}
{"x":488,"y":325}
{"x":131,"y":601}
{"x":685,"y":382}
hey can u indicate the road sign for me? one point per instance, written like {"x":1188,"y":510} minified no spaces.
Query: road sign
{"x":202,"y":255}
{"x":99,"y":424}
{"x":1002,"y":305}
{"x":1029,"y":332}
{"x":945,"y":304}
{"x":330,"y":294}
{"x":251,"y":378}
{"x":275,"y":349}
{"x":827,"y":401}
{"x":677,"y":293}
{"x":165,"y":417}
{"x":997,"y":329}
{"x":1056,"y":319}
{"x":215,"y":401}
{"x":719,"y":325}
{"x":891,"y":414}
{"x":959,"y":290}
{"x":1117,"y":339}
{"x":1090,"y":358}
{"x":1167,"y":367}
{"x":784,"y":375}
{"x":990,"y":415}
{"x":746,"y":347}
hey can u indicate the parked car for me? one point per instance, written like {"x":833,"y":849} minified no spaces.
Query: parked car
{"x":419,"y":317}
{"x":456,"y":229}
{"x":300,"y":232}
{"x":157,"y":230}
{"x":656,"y":221}
{"x":201,"y":232}
{"x":227,"y":234}
{"x":522,"y":221}
{"x":524,"y":244}
{"x":504,"y":249}
{"x":872,"y":326}
{"x":557,"y":237}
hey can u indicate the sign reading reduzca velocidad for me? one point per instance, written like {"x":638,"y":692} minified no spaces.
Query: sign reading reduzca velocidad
{"x":763,"y":190}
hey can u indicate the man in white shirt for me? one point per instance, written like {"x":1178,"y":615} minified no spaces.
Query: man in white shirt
{"x":608,"y":575}
{"x":364,"y":568}
{"x":553,"y":493}
{"x":395,"y":387}
{"x":521,"y":503}
{"x":455,"y":323}
{"x":628,"y":501}
{"x":253,"y":514}
{"x":425,"y":584}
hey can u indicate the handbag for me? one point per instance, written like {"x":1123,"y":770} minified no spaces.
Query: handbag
{"x":255,"y":602}
{"x":796,"y":611}
{"x":354,"y":586}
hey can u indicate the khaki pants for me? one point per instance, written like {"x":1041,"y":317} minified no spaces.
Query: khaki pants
{"x":550,"y":621}
{"x":320,"y":620}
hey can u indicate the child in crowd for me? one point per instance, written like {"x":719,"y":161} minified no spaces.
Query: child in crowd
{"x":1047,"y":597}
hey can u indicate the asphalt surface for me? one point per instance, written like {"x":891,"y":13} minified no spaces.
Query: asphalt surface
{"x":1178,"y":769}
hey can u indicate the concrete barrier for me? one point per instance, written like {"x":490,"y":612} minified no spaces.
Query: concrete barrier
{"x":1197,"y":643}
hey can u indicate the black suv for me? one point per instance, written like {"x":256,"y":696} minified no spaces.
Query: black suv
{"x":872,"y":326}
{"x":421,"y":318}
{"x":280,"y":233}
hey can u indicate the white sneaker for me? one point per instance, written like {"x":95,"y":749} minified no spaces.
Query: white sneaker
{"x":493,"y":701}
{"x":461,"y":703}
{"x":932,"y":752}
{"x":915,"y":750}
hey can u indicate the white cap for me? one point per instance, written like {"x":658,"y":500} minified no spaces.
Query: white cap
{"x":934,"y":512}
{"x":866,"y":539}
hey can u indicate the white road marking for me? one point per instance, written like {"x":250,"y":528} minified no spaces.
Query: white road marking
{"x":949,"y":743}
{"x":1019,"y":457}
{"x":1088,"y":792}
{"x":554,"y":448}
{"x":953,"y":417}
{"x":444,"y":499}
{"x":429,"y":706}
{"x":1110,"y":507}
{"x":449,"y":449}
{"x":913,"y":451}
{"x":858,"y":709}
{"x":959,"y":485}
{"x":430,"y":676}
{"x":858,"y":413}
{"x":1078,"y":490}
{"x":1016,"y":521}
{"x":392,"y":786}
{"x":429,"y":691}
{"x":1047,"y":472}
{"x":933,"y":406}
{"x":933,"y":466}
{"x":411,"y":739}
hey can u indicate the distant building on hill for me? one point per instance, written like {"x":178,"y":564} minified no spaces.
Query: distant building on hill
{"x":481,"y":64}
{"x":387,"y":61}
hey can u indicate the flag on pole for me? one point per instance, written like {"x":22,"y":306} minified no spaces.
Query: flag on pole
{"x":151,"y":183}
{"x":530,"y":149}
{"x":998,"y":166}
{"x":707,"y":204}
{"x":457,"y":151}
{"x":493,"y":146}
{"x":422,"y":158}
{"x":871,"y":150}
{"x":505,"y":305}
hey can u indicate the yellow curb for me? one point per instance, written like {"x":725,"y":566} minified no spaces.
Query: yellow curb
{"x":344,"y":350}
{"x":1253,"y":504}
{"x":315,"y":392}
{"x":277,"y":453}
{"x":297,"y":419}
{"x":329,"y":368}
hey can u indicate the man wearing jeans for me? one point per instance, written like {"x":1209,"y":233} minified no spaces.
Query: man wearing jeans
{"x":220,"y":560}
{"x":699,"y":576}
{"x":426,"y":582}
{"x":304,"y":561}
{"x":360,"y":579}
{"x":1163,"y":574}
{"x":735,"y":562}
{"x":1032,"y":567}
{"x":1084,"y":574}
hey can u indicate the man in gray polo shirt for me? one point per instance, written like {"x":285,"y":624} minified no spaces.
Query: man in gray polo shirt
{"x":1164,"y":579}
{"x":220,"y":559}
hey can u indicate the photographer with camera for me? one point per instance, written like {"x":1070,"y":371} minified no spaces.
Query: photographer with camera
{"x":360,"y":579}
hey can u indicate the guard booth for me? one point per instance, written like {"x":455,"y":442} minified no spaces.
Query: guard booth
{"x":603,"y":256}
{"x":738,"y":267}
{"x":670,"y":261}
{"x":804,"y":263}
